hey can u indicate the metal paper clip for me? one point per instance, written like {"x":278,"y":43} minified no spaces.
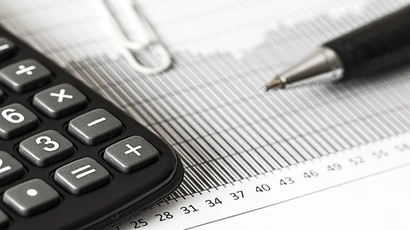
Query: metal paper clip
{"x":149,"y":39}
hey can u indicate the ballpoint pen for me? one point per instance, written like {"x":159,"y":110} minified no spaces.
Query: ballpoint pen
{"x":378,"y":45}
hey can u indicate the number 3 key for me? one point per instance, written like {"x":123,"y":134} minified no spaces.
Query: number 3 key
{"x":46,"y":148}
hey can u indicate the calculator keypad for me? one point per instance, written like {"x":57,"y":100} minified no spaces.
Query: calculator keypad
{"x":10,"y":168}
{"x":31,"y":197}
{"x":95,"y":126}
{"x":131,"y":154}
{"x":46,"y":148}
{"x":59,"y":101}
{"x":45,"y":126}
{"x":82,"y":176}
{"x":25,"y":75}
{"x":15,"y":120}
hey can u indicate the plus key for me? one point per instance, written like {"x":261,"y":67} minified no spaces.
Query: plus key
{"x":133,"y":149}
{"x":131,"y":154}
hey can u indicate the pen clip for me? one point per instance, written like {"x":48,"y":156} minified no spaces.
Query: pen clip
{"x":149,"y":41}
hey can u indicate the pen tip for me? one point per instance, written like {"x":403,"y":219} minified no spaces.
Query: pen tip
{"x":274,"y":84}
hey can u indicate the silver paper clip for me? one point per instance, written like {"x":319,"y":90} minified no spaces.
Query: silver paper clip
{"x":148,"y":37}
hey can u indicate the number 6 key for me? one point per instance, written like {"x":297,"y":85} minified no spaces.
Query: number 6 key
{"x":16,"y":119}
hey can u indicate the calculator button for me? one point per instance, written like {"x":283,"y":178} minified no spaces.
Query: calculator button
{"x":6,"y":48}
{"x":82,"y":176}
{"x":31,"y":197}
{"x":59,"y":101}
{"x":95,"y":126}
{"x":24,"y":76}
{"x":10,"y":168}
{"x":131,"y":154}
{"x":4,"y":220}
{"x":46,"y":148}
{"x":15,"y":120}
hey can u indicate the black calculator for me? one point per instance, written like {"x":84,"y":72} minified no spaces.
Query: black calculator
{"x":70,"y":159}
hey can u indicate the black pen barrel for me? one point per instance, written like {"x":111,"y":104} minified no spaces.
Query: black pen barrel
{"x":378,"y":45}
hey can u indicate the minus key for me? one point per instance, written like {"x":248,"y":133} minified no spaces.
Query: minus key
{"x":7,"y":48}
{"x":95,"y":127}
